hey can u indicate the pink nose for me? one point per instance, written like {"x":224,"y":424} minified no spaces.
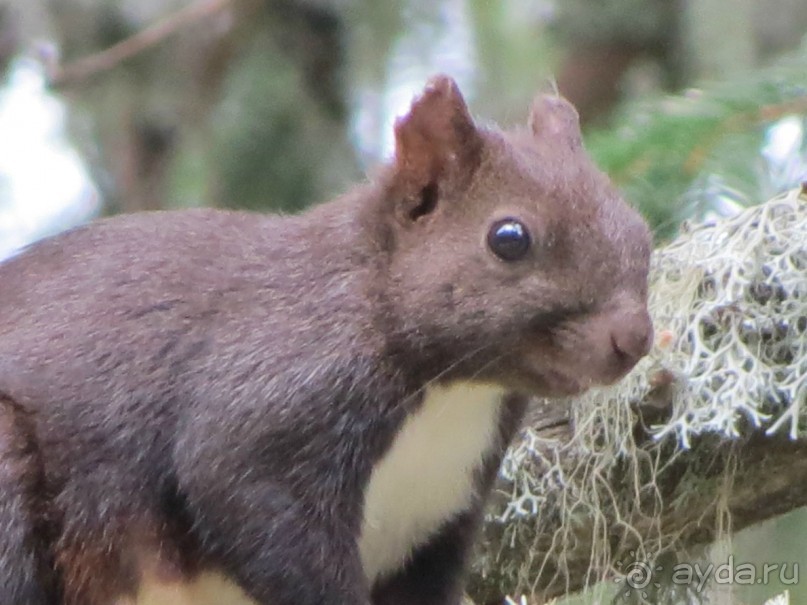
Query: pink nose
{"x":632,"y":340}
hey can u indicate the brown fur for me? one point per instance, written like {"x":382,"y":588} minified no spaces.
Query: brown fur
{"x":207,"y":390}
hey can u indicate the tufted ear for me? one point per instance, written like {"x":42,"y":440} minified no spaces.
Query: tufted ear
{"x":553,"y":116}
{"x":436,"y":143}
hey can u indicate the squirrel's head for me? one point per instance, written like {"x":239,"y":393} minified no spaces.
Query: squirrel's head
{"x":512,"y":258}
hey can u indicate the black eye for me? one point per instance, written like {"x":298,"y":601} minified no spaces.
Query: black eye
{"x":509,"y":239}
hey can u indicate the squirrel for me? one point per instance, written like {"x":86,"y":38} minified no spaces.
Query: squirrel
{"x":312,"y":407}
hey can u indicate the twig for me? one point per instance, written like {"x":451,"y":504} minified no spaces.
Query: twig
{"x":92,"y":65}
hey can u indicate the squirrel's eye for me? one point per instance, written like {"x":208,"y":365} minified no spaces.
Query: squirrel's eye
{"x":509,"y":239}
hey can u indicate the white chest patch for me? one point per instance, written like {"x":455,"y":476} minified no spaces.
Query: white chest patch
{"x":427,"y":476}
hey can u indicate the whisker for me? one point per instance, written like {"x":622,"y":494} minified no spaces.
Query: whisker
{"x":407,"y":400}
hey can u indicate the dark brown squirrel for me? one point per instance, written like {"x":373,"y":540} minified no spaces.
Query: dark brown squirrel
{"x":313,"y":407}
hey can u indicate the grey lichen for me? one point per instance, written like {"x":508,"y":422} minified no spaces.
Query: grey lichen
{"x":734,"y":296}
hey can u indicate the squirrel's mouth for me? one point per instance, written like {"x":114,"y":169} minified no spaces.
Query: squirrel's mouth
{"x":549,"y":382}
{"x":563,"y":385}
{"x":549,"y":372}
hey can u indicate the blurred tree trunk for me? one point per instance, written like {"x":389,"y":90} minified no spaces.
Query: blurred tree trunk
{"x":9,"y":39}
{"x":139,"y":108}
{"x":156,"y":108}
{"x":713,"y":53}
{"x":686,"y":41}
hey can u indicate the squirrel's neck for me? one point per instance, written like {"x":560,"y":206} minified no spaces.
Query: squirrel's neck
{"x":351,"y":285}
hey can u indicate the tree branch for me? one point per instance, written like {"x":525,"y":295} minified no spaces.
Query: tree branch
{"x":768,"y":478}
{"x":105,"y":60}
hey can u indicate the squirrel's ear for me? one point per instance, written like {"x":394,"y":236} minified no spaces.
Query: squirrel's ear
{"x":553,"y":116}
{"x":437,"y":140}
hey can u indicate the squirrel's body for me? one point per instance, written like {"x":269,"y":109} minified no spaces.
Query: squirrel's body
{"x":452,"y":428}
{"x":315,"y":406}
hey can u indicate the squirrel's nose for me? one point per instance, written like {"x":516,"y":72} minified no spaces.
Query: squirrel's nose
{"x":633,"y":338}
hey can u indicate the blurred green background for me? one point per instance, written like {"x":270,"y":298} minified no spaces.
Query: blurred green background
{"x":695,"y":107}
